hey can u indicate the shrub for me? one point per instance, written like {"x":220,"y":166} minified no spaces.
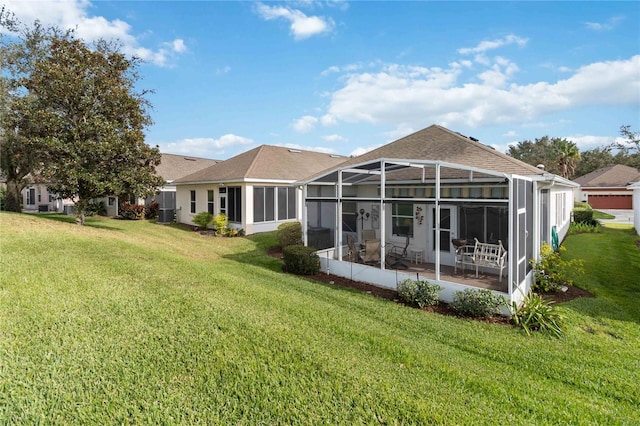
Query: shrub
{"x":289,"y":233}
{"x":585,"y":227}
{"x":583,"y":215}
{"x":481,"y":303}
{"x":552,"y":271}
{"x":537,"y":314}
{"x":233,"y":232}
{"x":202,"y":219}
{"x":132,"y":211}
{"x":582,"y":205}
{"x":421,"y":293}
{"x":151,"y":210}
{"x":301,"y":260}
{"x":221,"y":224}
{"x":95,"y":208}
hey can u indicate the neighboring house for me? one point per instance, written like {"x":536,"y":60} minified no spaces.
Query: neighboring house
{"x":254,"y":189}
{"x":173,"y":167}
{"x":37,"y":198}
{"x":606,"y":188}
{"x":635,"y":187}
{"x":431,"y":189}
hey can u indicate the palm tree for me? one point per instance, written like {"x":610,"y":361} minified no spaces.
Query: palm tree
{"x":568,"y":155}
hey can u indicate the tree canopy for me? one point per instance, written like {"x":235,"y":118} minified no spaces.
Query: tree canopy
{"x":20,"y":152}
{"x":558,"y":156}
{"x":78,"y":119}
{"x":563,"y":157}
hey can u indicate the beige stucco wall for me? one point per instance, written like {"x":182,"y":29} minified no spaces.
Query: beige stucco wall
{"x":183,"y":201}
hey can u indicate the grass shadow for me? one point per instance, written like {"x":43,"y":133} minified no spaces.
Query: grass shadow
{"x":90,"y":222}
{"x":258,"y":255}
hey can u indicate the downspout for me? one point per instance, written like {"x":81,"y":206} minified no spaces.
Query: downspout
{"x":305,"y":215}
{"x":338,"y":236}
{"x":510,"y":269}
{"x":383,"y":216}
{"x":436,"y":220}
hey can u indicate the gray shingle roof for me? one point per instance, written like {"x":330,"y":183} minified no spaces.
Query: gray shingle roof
{"x":266,"y":162}
{"x":611,"y":176}
{"x":437,"y":143}
{"x":174,"y":166}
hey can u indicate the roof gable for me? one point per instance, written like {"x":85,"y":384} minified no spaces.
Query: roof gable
{"x":266,"y":162}
{"x":617,"y":175}
{"x":436,"y":143}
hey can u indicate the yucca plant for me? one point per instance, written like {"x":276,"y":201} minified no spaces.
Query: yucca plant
{"x":537,"y":314}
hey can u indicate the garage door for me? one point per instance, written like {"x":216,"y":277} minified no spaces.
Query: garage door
{"x":611,"y":201}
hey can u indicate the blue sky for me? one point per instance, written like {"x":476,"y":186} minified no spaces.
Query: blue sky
{"x":347,"y":77}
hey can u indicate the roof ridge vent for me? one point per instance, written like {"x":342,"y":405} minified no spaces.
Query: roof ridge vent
{"x":295,"y":151}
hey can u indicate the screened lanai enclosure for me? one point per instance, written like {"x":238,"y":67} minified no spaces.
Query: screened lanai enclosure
{"x":427,"y":220}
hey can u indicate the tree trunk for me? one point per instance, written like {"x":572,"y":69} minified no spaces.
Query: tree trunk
{"x":13,"y":200}
{"x":80,"y":208}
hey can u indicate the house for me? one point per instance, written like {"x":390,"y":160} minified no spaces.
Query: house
{"x":254,"y":189}
{"x":635,"y":187}
{"x":173,"y":167}
{"x":606,"y":188}
{"x":36,"y":196}
{"x":428,"y":197}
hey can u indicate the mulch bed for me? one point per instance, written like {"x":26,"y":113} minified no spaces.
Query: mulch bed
{"x":442,"y":308}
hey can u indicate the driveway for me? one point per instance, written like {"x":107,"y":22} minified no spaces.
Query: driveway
{"x":621,"y":216}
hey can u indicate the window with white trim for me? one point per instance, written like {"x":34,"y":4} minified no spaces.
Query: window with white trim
{"x":210,"y":203}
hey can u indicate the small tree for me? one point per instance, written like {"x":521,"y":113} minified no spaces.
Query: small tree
{"x":221,"y":223}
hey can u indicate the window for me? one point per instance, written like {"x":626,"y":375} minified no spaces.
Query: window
{"x":193,"y":201}
{"x":234,"y":207}
{"x":286,"y":202}
{"x":31,"y":196}
{"x":560,"y":208}
{"x":486,"y":223}
{"x":263,"y":204}
{"x":210,"y":201}
{"x":265,"y":200}
{"x":349,"y":217}
{"x":112,"y":201}
{"x":402,"y":219}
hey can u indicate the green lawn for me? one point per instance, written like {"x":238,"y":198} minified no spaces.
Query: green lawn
{"x":137,"y":323}
{"x":597,"y":214}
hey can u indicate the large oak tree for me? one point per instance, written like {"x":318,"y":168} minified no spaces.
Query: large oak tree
{"x":86,"y":123}
{"x":21,"y":47}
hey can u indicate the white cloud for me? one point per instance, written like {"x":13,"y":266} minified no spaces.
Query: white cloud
{"x":587,"y":142}
{"x":205,"y":147}
{"x":75,"y":14}
{"x":510,"y":134}
{"x":301,"y":25}
{"x":609,"y":24}
{"x":223,"y":70}
{"x":334,"y":138}
{"x":178,"y":45}
{"x":486,"y":45}
{"x":305,"y":124}
{"x":364,"y":150}
{"x":418,"y":96}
